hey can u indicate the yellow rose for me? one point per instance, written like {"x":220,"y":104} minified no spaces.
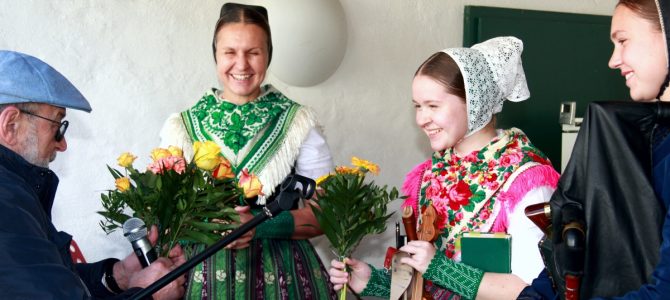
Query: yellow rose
{"x":323,"y":178}
{"x":362,"y":163}
{"x":223,"y":170}
{"x":159,"y":153}
{"x":126,"y":159}
{"x":206,"y":155}
{"x":250,"y":184}
{"x":122,"y":184}
{"x":176,"y":151}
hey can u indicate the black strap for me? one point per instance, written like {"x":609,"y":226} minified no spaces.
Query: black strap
{"x":109,"y":276}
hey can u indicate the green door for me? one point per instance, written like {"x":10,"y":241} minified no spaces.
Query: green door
{"x":565,"y":58}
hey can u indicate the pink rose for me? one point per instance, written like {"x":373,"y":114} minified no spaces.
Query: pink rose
{"x":472,"y":157}
{"x":433,"y":190}
{"x":491,"y":181}
{"x":167,"y":163}
{"x":484,"y":214}
{"x":159,"y":165}
{"x":493,"y":185}
{"x":459,"y":194}
{"x":179,"y":165}
{"x":492,"y":165}
{"x":511,"y":159}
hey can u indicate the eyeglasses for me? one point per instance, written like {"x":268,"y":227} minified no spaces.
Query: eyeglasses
{"x":62,"y":128}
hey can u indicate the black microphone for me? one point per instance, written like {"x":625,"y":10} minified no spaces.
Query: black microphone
{"x":136,"y":232}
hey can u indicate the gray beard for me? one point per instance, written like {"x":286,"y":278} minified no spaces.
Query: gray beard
{"x":29,"y":150}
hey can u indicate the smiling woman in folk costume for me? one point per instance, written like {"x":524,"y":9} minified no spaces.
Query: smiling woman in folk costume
{"x":263,"y":132}
{"x":479,"y":178}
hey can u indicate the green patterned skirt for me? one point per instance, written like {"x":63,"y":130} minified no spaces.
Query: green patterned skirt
{"x":267,"y":269}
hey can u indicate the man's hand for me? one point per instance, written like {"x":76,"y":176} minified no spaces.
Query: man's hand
{"x":129,"y":273}
{"x":156,"y":270}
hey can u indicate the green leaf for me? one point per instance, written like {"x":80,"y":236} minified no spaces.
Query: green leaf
{"x":199,"y":237}
{"x":116,"y":174}
{"x":470,"y":207}
{"x":478,"y":196}
{"x":350,"y":208}
{"x":213,"y":226}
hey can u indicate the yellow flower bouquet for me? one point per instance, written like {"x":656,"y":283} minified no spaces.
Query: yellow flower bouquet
{"x":349,"y":208}
{"x":188,"y":201}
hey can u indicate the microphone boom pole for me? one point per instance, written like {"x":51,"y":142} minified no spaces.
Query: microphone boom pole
{"x":293,"y":188}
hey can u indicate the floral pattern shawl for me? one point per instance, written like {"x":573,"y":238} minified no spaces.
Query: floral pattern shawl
{"x":464,"y":190}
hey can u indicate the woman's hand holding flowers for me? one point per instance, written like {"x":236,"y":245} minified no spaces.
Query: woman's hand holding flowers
{"x":360,"y":274}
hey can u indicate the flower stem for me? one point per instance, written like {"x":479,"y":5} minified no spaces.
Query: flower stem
{"x":343,"y":291}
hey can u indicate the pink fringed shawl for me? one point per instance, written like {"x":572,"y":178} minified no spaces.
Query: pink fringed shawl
{"x":412,"y":185}
{"x":533,"y":177}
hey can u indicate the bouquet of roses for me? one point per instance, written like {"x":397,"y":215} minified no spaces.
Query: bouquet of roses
{"x":188,"y":201}
{"x":349,"y":208}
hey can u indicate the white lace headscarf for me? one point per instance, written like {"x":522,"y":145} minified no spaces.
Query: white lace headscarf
{"x":492,"y":72}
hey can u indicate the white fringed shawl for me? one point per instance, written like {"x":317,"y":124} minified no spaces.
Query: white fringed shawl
{"x":174,"y":132}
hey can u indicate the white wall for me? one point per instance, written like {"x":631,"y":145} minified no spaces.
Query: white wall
{"x":138,"y":61}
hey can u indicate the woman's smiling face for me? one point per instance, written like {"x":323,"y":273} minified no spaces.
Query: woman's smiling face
{"x":639,"y":53}
{"x":441,"y":116}
{"x":241,"y":61}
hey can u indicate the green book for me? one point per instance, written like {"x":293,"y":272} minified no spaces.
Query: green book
{"x":490,"y":252}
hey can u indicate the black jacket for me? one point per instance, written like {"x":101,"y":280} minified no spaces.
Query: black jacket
{"x":35,"y":261}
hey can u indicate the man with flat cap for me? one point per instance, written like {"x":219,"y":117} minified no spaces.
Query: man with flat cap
{"x":35,"y":261}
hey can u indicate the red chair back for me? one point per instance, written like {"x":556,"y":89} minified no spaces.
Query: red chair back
{"x":75,"y":252}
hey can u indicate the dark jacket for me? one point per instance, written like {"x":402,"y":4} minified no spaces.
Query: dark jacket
{"x":35,"y":261}
{"x":615,"y":185}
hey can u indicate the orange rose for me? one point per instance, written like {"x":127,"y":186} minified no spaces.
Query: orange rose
{"x":250,"y":184}
{"x":224,"y":170}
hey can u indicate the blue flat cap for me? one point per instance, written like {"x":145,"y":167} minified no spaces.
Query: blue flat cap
{"x":24,"y":78}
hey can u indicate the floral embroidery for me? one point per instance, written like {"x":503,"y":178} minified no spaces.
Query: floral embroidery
{"x":317,"y":273}
{"x":463,"y":190}
{"x":240,"y":276}
{"x":234,"y":124}
{"x":221,"y":275}
{"x":197,"y":276}
{"x":269,"y":277}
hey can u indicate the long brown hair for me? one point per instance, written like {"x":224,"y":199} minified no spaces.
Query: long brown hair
{"x":442,"y":68}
